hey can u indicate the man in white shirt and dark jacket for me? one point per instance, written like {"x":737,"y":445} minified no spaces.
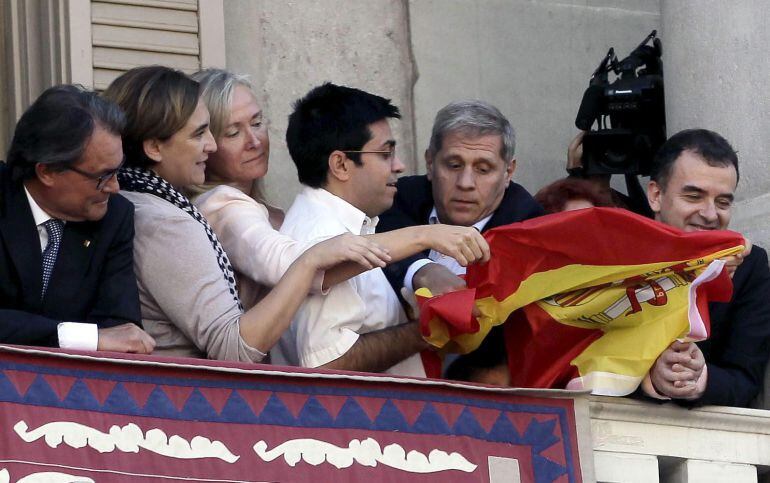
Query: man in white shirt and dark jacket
{"x":66,"y":266}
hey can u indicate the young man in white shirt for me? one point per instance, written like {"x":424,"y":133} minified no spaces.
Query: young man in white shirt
{"x":341,"y":142}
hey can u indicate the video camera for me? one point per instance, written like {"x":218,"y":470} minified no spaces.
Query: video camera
{"x":634,"y":105}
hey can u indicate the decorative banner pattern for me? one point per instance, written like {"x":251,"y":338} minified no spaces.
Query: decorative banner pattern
{"x":70,"y":416}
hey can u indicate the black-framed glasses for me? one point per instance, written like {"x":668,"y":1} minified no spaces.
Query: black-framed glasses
{"x":101,"y":179}
{"x":389,"y":153}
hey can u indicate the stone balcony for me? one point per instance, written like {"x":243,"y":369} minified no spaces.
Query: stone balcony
{"x":636,"y":441}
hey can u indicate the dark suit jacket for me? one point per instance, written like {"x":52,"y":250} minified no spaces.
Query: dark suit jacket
{"x":739,"y":345}
{"x":93,"y":283}
{"x":411,"y":207}
{"x":414,"y":202}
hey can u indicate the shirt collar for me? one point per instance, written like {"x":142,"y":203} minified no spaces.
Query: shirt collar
{"x":479,"y":225}
{"x":353,"y":219}
{"x":38,"y":214}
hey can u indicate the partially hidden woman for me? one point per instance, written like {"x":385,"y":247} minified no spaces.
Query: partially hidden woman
{"x":247,"y":227}
{"x":186,"y":284}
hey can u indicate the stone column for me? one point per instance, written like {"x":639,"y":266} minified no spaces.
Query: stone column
{"x":716,"y":70}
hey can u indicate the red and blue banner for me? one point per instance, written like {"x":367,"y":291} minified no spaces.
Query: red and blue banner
{"x":79,"y":416}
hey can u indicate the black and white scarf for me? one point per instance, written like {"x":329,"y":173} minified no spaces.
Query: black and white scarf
{"x":145,"y":181}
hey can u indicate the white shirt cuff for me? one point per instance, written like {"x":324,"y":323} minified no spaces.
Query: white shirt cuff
{"x":337,"y":348}
{"x":78,"y":335}
{"x":412,"y":270}
{"x":318,"y":283}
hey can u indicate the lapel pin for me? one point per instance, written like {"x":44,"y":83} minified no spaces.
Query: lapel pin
{"x":87,"y":243}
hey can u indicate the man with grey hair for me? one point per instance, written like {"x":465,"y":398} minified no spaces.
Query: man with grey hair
{"x":470,"y":162}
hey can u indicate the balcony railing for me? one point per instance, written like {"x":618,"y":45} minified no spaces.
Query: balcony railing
{"x":636,"y":441}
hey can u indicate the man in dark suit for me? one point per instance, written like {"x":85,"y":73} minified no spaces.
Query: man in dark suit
{"x":470,"y":163}
{"x":692,"y":187}
{"x":66,"y":266}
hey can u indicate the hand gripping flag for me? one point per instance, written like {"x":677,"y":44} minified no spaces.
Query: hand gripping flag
{"x":602,"y":293}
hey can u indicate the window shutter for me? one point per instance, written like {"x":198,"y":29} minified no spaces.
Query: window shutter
{"x":132,"y":33}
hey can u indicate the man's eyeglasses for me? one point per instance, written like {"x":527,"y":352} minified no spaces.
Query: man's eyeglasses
{"x":101,"y":179}
{"x":388,"y":154}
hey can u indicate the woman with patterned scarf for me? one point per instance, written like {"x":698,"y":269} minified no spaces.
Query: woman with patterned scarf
{"x":188,"y":294}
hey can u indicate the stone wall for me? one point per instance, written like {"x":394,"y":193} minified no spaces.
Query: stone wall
{"x":530,"y":58}
{"x":290,"y":47}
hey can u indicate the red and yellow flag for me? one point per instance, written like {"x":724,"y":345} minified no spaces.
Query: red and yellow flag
{"x":602,"y":293}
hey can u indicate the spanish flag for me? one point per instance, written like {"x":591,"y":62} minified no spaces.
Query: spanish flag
{"x":602,"y":293}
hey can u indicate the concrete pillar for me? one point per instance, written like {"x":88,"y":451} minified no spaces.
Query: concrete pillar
{"x":699,"y":471}
{"x":716,"y":70}
{"x":290,"y":47}
{"x":614,"y":467}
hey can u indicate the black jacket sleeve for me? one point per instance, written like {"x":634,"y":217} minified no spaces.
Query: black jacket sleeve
{"x":117,"y":296}
{"x":24,"y":328}
{"x":737,"y":351}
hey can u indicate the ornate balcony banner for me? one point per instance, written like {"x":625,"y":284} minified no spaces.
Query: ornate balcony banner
{"x":70,"y":416}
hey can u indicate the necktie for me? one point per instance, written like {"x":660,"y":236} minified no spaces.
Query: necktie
{"x":55,"y":228}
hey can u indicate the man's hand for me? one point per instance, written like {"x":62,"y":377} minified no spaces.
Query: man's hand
{"x":463,"y":243}
{"x":734,"y":261}
{"x":438,"y":279}
{"x":575,"y":152}
{"x":125,"y":338}
{"x":680,"y":371}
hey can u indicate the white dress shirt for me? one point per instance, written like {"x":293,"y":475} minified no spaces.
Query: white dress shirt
{"x":326,"y":326}
{"x":72,"y":335}
{"x":436,"y":257}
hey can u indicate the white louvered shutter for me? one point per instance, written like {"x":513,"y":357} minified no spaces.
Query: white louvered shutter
{"x":132,"y":33}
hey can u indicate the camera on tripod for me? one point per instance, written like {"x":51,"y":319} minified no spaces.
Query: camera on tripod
{"x":629,"y":112}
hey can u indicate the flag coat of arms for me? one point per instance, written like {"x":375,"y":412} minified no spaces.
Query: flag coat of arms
{"x":592,"y":297}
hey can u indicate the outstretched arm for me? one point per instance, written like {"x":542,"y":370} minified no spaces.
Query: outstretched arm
{"x":190,"y":291}
{"x":264,"y":255}
{"x":464,"y":244}
{"x":263,"y":324}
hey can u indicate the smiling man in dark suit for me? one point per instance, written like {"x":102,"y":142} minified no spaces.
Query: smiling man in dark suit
{"x":66,"y":267}
{"x":470,"y":162}
{"x":692,"y":187}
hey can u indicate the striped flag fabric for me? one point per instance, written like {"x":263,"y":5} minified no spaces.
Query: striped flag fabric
{"x":591,"y":296}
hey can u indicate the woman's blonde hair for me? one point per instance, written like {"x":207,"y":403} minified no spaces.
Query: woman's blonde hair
{"x":217,"y":88}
